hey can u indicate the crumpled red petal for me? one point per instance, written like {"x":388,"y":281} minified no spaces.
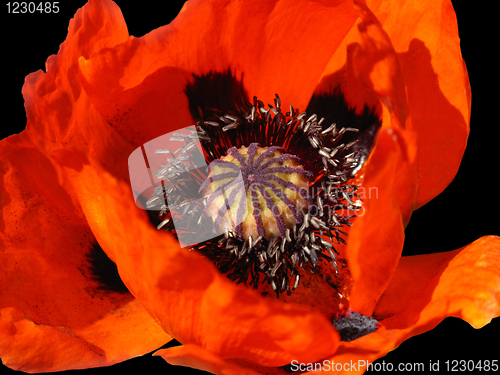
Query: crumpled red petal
{"x":436,"y":82}
{"x":435,"y":78}
{"x":283,"y":48}
{"x":196,"y":357}
{"x":376,"y":238}
{"x":53,"y":315}
{"x":183,"y":291}
{"x":377,"y":67}
{"x":367,"y":70}
{"x":464,"y":283}
{"x":388,"y":179}
{"x":425,"y":289}
{"x":58,"y":109}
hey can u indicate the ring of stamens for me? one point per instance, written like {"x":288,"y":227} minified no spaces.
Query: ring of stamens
{"x":305,"y":237}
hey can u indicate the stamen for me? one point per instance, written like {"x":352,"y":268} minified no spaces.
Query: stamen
{"x":275,"y":188}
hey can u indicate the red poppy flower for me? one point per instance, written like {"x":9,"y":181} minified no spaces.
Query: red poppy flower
{"x":105,"y":94}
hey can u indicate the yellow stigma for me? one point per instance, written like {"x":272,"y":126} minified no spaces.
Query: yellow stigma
{"x":256,"y":191}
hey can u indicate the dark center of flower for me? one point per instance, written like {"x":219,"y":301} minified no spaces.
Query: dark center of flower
{"x":257,"y":192}
{"x":271,"y":208}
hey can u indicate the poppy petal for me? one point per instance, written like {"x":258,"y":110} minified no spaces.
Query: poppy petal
{"x":374,"y":246}
{"x":53,"y":315}
{"x":388,"y":179}
{"x":425,"y":289}
{"x":464,"y":283}
{"x":366,"y":69}
{"x":196,"y":357}
{"x":183,"y":291}
{"x":145,"y":78}
{"x":377,"y":65}
{"x":437,"y":85}
{"x":57,"y":108}
{"x":379,"y":69}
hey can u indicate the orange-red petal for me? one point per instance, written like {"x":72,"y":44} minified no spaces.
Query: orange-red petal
{"x":58,"y":109}
{"x":425,"y":289}
{"x":388,"y":179}
{"x":437,"y":85}
{"x":376,"y":239}
{"x":464,"y":283}
{"x":183,"y":291}
{"x":428,"y":55}
{"x":283,"y":48}
{"x":366,"y":69}
{"x":53,"y":315}
{"x":196,"y":357}
{"x":377,"y":67}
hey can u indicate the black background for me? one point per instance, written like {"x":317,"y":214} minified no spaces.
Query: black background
{"x":465,"y":211}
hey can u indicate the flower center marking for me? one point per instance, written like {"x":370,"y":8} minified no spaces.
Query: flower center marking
{"x":257,"y":191}
{"x":276,"y":191}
